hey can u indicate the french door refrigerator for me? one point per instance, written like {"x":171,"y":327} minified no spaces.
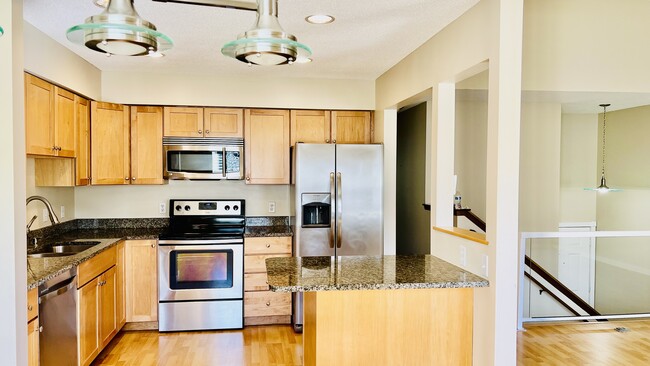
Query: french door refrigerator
{"x":339,"y":203}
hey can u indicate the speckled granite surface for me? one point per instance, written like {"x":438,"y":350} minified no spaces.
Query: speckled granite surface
{"x":300,"y":274}
{"x":253,"y":231}
{"x":267,"y":221}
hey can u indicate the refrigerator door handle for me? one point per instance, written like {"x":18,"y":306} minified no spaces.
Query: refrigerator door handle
{"x":339,"y":210}
{"x":332,"y":218}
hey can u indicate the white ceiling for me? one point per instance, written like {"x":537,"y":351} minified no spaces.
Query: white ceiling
{"x":367,"y":38}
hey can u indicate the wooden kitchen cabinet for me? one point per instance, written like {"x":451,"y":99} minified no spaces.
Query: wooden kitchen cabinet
{"x":267,"y":146}
{"x":33,"y":331}
{"x":82,"y":167}
{"x":262,"y":306}
{"x":146,"y":145}
{"x":183,"y":122}
{"x":141,"y":281}
{"x":120,"y":287}
{"x":49,"y":119}
{"x":223,"y":122}
{"x":110,"y":160}
{"x":351,"y":127}
{"x":310,"y":126}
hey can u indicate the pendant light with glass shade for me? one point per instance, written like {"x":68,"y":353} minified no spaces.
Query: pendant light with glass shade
{"x":603,"y":188}
{"x":119,"y":30}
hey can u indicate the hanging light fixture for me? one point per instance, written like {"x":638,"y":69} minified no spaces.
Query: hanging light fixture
{"x":266,"y":43}
{"x":119,"y":30}
{"x":603,"y":188}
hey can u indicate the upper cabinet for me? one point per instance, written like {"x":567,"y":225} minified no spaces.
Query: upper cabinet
{"x":49,"y":119}
{"x":82,"y":168}
{"x":146,"y":145}
{"x":267,"y":146}
{"x":351,"y":127}
{"x":109,"y":125}
{"x":338,"y":127}
{"x":203,"y":122}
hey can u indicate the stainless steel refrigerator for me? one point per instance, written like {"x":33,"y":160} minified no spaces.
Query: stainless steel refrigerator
{"x":339,"y":203}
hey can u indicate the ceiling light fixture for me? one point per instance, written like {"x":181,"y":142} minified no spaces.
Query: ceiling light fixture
{"x":119,"y":30}
{"x":266,"y":43}
{"x":320,"y":19}
{"x":101,"y":3}
{"x":603,"y":188}
{"x":2,"y":31}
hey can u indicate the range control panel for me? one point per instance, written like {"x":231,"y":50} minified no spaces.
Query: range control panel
{"x":206,"y":207}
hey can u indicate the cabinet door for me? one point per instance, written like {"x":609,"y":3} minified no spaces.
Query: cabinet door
{"x":82,"y":109}
{"x":64,"y":123}
{"x":223,"y":122}
{"x":350,"y":127}
{"x":310,"y":127}
{"x":146,"y":145}
{"x":109,"y":124}
{"x":120,"y":286}
{"x":39,"y":116}
{"x":88,"y":321}
{"x":107,"y":307}
{"x":32,"y":343}
{"x":141,"y":281}
{"x":267,"y":146}
{"x":183,"y":122}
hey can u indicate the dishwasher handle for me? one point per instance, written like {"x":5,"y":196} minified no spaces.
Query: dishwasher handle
{"x":57,"y":289}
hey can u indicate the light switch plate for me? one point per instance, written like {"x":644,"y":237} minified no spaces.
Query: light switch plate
{"x":162,"y":208}
{"x":271,"y":206}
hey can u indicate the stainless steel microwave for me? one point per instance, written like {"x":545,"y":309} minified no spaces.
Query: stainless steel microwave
{"x":203,"y":158}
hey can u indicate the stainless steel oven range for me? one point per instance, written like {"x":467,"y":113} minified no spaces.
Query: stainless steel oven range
{"x":200,"y":265}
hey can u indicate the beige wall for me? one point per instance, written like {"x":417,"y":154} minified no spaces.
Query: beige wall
{"x":13,"y":266}
{"x":489,"y":31}
{"x":58,"y":196}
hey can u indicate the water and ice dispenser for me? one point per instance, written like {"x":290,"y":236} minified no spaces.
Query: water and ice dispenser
{"x":316,"y":209}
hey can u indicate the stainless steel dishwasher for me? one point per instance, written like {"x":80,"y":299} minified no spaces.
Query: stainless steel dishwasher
{"x":57,"y":299}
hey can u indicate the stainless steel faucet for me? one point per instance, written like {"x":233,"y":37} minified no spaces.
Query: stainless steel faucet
{"x":50,"y":212}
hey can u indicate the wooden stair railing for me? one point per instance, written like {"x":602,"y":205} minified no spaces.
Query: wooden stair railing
{"x":539,"y":270}
{"x":470,"y":216}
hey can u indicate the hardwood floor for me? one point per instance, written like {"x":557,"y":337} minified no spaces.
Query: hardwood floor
{"x":565,"y":344}
{"x":252,"y":346}
{"x":585,"y":344}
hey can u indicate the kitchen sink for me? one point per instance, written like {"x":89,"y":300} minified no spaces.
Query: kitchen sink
{"x":48,"y":255}
{"x":73,"y":246}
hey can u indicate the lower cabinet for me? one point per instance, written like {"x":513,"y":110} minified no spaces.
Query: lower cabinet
{"x":141,"y":281}
{"x":262,"y":306}
{"x":100,"y":302}
{"x":33,"y":331}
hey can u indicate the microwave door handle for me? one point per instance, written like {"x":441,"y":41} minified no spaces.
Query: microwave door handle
{"x":223,"y":161}
{"x":332,"y":215}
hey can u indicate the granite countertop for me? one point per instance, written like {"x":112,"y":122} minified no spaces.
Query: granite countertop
{"x":256,"y":231}
{"x":40,"y":270}
{"x":301,"y":274}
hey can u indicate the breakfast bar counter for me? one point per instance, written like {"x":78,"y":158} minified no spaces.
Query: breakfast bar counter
{"x":381,"y":310}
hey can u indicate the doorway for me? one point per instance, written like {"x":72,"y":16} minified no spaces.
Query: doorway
{"x":413,"y":220}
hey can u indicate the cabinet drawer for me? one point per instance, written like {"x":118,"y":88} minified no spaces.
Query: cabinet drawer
{"x":256,"y":263}
{"x":255,"y":282}
{"x":96,"y":266}
{"x":267,"y":303}
{"x":267,"y":245}
{"x":32,"y":303}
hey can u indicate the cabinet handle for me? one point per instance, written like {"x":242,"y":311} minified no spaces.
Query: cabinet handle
{"x":248,"y":178}
{"x":53,"y":148}
{"x":153,"y":245}
{"x":40,"y":329}
{"x":207,"y":132}
{"x":268,"y":303}
{"x":29,"y":308}
{"x":59,"y":148}
{"x":132,"y":178}
{"x":126,"y":178}
{"x":334,"y":141}
{"x":268,"y":245}
{"x":200,"y":132}
{"x":327,"y":140}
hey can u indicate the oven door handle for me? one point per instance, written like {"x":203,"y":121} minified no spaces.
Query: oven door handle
{"x":197,"y":248}
{"x":182,"y":243}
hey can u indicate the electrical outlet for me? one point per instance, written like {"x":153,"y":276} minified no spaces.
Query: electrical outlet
{"x":463,"y":256}
{"x":485,"y":266}
{"x":162,"y":208}
{"x":62,"y":211}
{"x":271,"y":206}
{"x":45,"y":216}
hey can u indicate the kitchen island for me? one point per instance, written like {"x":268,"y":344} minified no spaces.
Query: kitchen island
{"x":381,"y":310}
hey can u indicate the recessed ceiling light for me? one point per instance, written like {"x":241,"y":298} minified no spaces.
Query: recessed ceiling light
{"x":320,"y":19}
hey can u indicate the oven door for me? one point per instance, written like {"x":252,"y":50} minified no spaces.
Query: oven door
{"x":203,"y":162}
{"x":200,"y":270}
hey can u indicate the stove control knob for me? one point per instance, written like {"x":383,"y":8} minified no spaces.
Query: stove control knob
{"x":235,"y":207}
{"x":178,"y":207}
{"x":227,"y":208}
{"x":187,"y":207}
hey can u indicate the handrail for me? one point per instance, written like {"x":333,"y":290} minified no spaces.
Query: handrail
{"x":560,"y":287}
{"x":553,"y":295}
{"x":470,"y":216}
